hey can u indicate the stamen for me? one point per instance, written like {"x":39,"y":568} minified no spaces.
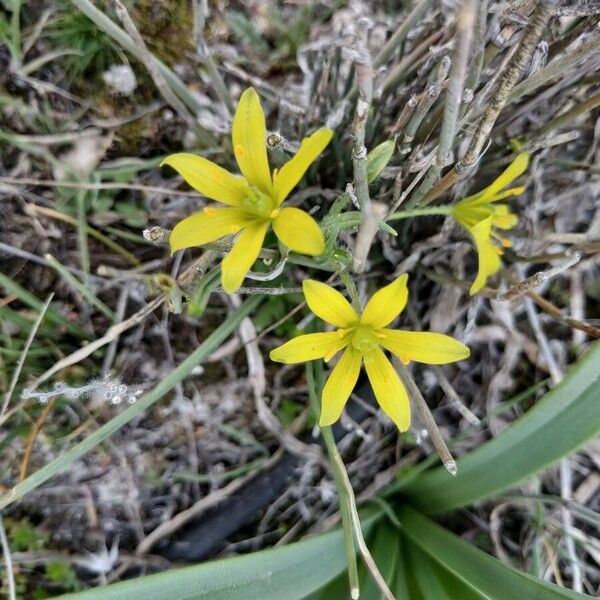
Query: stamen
{"x":380,"y":335}
{"x":506,"y":243}
{"x":275,"y":213}
{"x":405,"y":360}
{"x":234,"y":229}
{"x":209,"y":210}
{"x":239,"y":151}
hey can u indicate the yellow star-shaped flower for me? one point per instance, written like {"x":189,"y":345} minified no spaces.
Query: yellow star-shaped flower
{"x":364,"y":338}
{"x":254,"y":200}
{"x":479,"y":214}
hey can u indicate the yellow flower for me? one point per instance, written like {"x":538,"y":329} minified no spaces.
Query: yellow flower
{"x":363,"y":338}
{"x":479,"y":214}
{"x":254,"y":200}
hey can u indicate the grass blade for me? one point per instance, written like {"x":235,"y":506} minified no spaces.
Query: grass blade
{"x":12,"y":287}
{"x":80,"y":287}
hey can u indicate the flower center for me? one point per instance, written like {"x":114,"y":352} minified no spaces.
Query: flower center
{"x":258,"y":203}
{"x":364,"y":339}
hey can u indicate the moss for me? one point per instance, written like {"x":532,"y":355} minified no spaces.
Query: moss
{"x":167,"y":27}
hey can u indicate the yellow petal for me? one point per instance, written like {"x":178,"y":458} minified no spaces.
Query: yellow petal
{"x":328,"y":304}
{"x":241,"y":257}
{"x":299,"y":232}
{"x":339,"y":386}
{"x":503,"y":217}
{"x":286,"y":179}
{"x":516,"y":168}
{"x":209,"y":179}
{"x":207,"y":226}
{"x":489,"y":261}
{"x":388,"y":389}
{"x":249,"y":137}
{"x":386,"y":304}
{"x":423,"y":346}
{"x":516,"y":191}
{"x":309,"y":347}
{"x":468,"y":213}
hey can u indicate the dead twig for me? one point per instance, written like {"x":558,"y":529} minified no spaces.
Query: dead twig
{"x":539,"y":278}
{"x":425,"y":413}
{"x":506,"y":82}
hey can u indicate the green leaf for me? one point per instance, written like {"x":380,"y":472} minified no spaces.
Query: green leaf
{"x":386,"y":553}
{"x":378,"y":159}
{"x":62,"y":573}
{"x":25,"y":536}
{"x":565,"y":419}
{"x":288,"y":573}
{"x":385,"y":548}
{"x":25,"y":296}
{"x":467,"y":567}
{"x":245,"y":31}
{"x":433,"y":581}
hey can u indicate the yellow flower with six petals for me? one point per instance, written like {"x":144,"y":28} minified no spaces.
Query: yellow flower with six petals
{"x":363,"y":339}
{"x":253,"y":200}
{"x":479,"y":214}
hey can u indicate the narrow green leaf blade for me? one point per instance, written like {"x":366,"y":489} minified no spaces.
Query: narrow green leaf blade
{"x":378,"y":159}
{"x":288,"y":573}
{"x":483,"y":574}
{"x":53,"y":315}
{"x":284,"y":573}
{"x":433,"y":581}
{"x":567,"y":417}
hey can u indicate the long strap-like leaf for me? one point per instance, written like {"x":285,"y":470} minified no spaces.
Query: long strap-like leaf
{"x":288,"y":573}
{"x":566,"y":418}
{"x":465,"y":564}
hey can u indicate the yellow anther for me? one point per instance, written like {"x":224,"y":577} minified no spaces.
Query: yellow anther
{"x":234,"y":229}
{"x":275,"y":213}
{"x":405,"y":360}
{"x":239,"y":151}
{"x":506,"y":243}
{"x":380,"y":335}
{"x":209,"y":210}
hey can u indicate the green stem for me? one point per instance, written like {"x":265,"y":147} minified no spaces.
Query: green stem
{"x":338,"y":468}
{"x":15,"y":34}
{"x":420,"y":212}
{"x":82,"y":236}
{"x":352,"y":291}
{"x":353,"y":218}
{"x":329,"y":440}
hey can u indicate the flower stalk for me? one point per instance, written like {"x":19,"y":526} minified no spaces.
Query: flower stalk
{"x":348,"y":510}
